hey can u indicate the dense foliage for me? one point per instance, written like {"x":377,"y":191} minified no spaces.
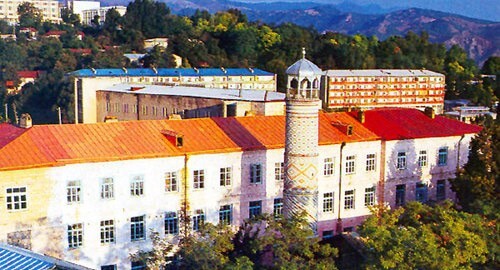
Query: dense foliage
{"x":222,"y":39}
{"x":425,"y":237}
{"x":261,"y":243}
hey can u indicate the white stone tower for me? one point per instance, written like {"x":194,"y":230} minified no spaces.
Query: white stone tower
{"x":301,"y":148}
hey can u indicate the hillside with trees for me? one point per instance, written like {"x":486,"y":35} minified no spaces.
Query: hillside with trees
{"x":226,"y":39}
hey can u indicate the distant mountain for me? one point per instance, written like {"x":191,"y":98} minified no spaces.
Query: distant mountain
{"x":479,"y":38}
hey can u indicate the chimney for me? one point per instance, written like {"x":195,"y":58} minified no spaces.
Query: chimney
{"x":361,"y":117}
{"x":250,"y":69}
{"x":154,"y":70}
{"x":93,"y":70}
{"x":110,"y":119}
{"x":196,"y":70}
{"x":344,"y":128}
{"x":174,"y":137}
{"x":125,"y":70}
{"x":429,"y":111}
{"x":223,"y":70}
{"x":26,"y":121}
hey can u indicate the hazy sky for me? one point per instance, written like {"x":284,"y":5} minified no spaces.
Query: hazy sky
{"x":486,"y":9}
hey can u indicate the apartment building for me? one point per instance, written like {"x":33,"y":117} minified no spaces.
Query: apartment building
{"x":368,"y":89}
{"x":49,"y":9}
{"x":88,"y":81}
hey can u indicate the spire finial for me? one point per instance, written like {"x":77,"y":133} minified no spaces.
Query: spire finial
{"x":303,"y":52}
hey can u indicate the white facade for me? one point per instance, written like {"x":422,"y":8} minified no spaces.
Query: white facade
{"x":49,"y":9}
{"x":87,"y":15}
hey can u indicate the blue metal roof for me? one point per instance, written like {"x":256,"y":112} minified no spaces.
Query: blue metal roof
{"x":187,"y":72}
{"x":22,"y":259}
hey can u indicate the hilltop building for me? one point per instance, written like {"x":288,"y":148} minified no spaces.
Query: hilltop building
{"x":368,"y":89}
{"x":148,"y":102}
{"x":88,"y":81}
{"x":49,"y":9}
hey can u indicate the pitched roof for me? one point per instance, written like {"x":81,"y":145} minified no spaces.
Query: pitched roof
{"x":381,"y":72}
{"x":173,"y":72}
{"x":54,"y":145}
{"x":400,"y":124}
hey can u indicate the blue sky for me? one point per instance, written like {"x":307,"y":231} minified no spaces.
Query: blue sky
{"x":485,"y":9}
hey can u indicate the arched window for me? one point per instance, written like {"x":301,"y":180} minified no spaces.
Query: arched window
{"x":316,"y":84}
{"x":305,"y":84}
{"x":294,"y":84}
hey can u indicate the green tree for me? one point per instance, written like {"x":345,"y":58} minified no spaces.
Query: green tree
{"x":423,"y":237}
{"x":29,"y":15}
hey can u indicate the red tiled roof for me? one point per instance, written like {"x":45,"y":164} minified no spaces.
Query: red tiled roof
{"x":52,"y":145}
{"x":401,"y":123}
{"x":29,"y":73}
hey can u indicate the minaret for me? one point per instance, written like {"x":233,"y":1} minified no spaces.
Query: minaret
{"x":301,"y":147}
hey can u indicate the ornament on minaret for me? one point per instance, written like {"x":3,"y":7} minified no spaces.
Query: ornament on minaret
{"x":301,"y":147}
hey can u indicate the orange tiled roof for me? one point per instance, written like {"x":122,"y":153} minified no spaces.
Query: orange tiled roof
{"x":53,"y":145}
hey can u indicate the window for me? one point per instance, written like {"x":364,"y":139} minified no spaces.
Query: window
{"x":137,"y":228}
{"x":400,"y":194}
{"x":225,"y":176}
{"x":421,"y":193}
{"x":370,"y":162}
{"x":107,"y":188}
{"x":138,"y":266}
{"x":137,"y":186}
{"x":198,"y":219}
{"x":327,"y":234}
{"x":225,"y":215}
{"x":199,"y":179}
{"x":442,"y":156}
{"x":16,"y":198}
{"x":75,"y":235}
{"x":441,"y":190}
{"x":73,"y":190}
{"x":171,"y":223}
{"x":350,"y":164}
{"x":369,"y":196}
{"x":349,"y":199}
{"x":422,"y":158}
{"x":256,"y":173}
{"x":328,"y":202}
{"x":254,"y":209}
{"x":107,"y":231}
{"x":278,"y":207}
{"x":109,"y":267}
{"x":328,"y":167}
{"x":401,"y":161}
{"x":279,"y":171}
{"x":170,"y":181}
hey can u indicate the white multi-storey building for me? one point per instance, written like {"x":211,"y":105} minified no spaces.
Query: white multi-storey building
{"x":49,"y":9}
{"x":92,"y":193}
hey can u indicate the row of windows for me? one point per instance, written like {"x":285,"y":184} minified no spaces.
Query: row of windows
{"x":350,"y":164}
{"x":442,"y":159}
{"x":421,"y":192}
{"x":134,"y":109}
{"x":349,"y":199}
{"x":75,"y":232}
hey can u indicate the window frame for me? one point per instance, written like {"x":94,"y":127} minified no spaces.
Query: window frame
{"x":400,"y":195}
{"x":107,"y":189}
{"x":421,"y":192}
{"x":254,"y":208}
{"x":13,"y":198}
{"x":370,"y":196}
{"x":279,"y":171}
{"x":198,"y":219}
{"x":137,"y":186}
{"x":138,"y":228}
{"x":422,"y":158}
{"x":73,"y":192}
{"x":371,"y":162}
{"x":328,"y":202}
{"x":401,"y":162}
{"x":443,"y":156}
{"x":226,"y":214}
{"x":350,"y":164}
{"x":108,"y":232}
{"x":256,"y":173}
{"x":350,"y":199}
{"x":441,"y":190}
{"x":226,"y":176}
{"x":75,"y":235}
{"x":171,"y":223}
{"x":328,"y":166}
{"x":277,"y":207}
{"x":199,"y":179}
{"x":171,"y":181}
